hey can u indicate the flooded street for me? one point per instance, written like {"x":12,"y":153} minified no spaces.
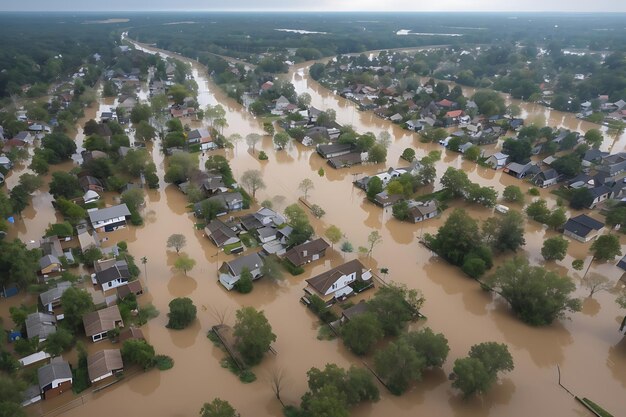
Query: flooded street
{"x":588,"y":348}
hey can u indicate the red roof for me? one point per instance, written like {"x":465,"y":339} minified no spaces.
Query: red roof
{"x":454,"y":113}
{"x":445,"y":103}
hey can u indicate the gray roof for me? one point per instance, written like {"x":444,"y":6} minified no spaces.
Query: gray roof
{"x":48,"y":260}
{"x":54,"y":294}
{"x":118,"y":270}
{"x":109,"y":213}
{"x":52,"y":371}
{"x":251,"y":261}
{"x":265,"y":232}
{"x":40,"y":325}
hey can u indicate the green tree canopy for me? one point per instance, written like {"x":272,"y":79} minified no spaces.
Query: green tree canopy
{"x":182,"y":313}
{"x":554,"y":248}
{"x":361,"y":333}
{"x":218,"y":408}
{"x":394,"y":306}
{"x":138,"y":352}
{"x":606,"y":248}
{"x":76,"y":303}
{"x":254,"y":334}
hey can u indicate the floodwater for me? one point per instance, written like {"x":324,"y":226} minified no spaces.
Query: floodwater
{"x":588,"y":348}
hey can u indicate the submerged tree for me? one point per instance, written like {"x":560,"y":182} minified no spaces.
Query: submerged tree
{"x":176,"y":241}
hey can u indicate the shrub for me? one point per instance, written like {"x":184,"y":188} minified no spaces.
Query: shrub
{"x":163,"y":362}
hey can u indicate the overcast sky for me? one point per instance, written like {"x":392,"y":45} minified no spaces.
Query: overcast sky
{"x":317,"y":5}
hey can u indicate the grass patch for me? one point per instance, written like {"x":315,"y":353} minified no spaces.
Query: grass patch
{"x":163,"y":362}
{"x":229,"y":248}
{"x":325,"y":333}
{"x":595,"y":407}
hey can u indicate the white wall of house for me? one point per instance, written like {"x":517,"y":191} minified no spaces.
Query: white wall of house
{"x":341,"y":283}
{"x":107,"y":222}
{"x":114,"y":284}
{"x":98,"y":337}
{"x":100,"y":378}
{"x":59,"y":381}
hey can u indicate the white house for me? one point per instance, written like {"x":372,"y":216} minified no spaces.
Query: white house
{"x":230,"y":272}
{"x":110,"y":218}
{"x":497,"y":160}
{"x":335,"y":283}
{"x":110,"y":274}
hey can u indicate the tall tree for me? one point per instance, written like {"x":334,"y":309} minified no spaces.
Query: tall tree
{"x":254,"y":334}
{"x":76,"y":303}
{"x":305,"y":186}
{"x":253,"y":180}
{"x":176,"y":241}
{"x":218,"y":408}
{"x":184,"y":263}
{"x":333,"y":233}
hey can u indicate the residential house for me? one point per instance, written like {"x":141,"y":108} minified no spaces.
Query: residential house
{"x":389,"y":175}
{"x":356,"y":310}
{"x":220,"y":234}
{"x":87,"y":182}
{"x":54,"y":378}
{"x":497,"y":160}
{"x":383,"y":199}
{"x":202,"y":137}
{"x":613,"y":164}
{"x":333,"y":150}
{"x":132,"y":287}
{"x":132,"y":333}
{"x":11,"y":144}
{"x":281,"y":104}
{"x":25,"y":136}
{"x":110,"y":274}
{"x":51,"y":299}
{"x":266,"y":234}
{"x":415,"y":125}
{"x":334,"y":284}
{"x":228,"y":201}
{"x":110,"y":218}
{"x":546,"y":178}
{"x":599,"y":194}
{"x":347,"y":160}
{"x":307,"y":252}
{"x":5,"y":163}
{"x":420,"y":211}
{"x":464,"y":147}
{"x":40,"y":325}
{"x":49,"y":264}
{"x":396,"y":118}
{"x":104,"y":364}
{"x":582,"y":228}
{"x":230,"y":271}
{"x":521,"y":170}
{"x":593,"y":156}
{"x":98,"y":323}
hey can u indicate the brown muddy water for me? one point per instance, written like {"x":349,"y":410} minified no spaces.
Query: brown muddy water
{"x":587,"y":347}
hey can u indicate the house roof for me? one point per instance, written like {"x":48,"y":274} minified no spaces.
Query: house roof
{"x":454,"y":113}
{"x":40,"y":325}
{"x":118,"y":270}
{"x":334,"y":148}
{"x":357,"y":309}
{"x":582,"y":225}
{"x":499,"y":156}
{"x":303,"y":253}
{"x":265,"y":232}
{"x":103,"y":362}
{"x":600,"y":191}
{"x":133,"y":287}
{"x":422,"y":210}
{"x":57,"y":369}
{"x":131,"y":333}
{"x":250,"y":222}
{"x":101,"y":321}
{"x":622,"y":263}
{"x":54,"y":294}
{"x":322,"y":282}
{"x":121,"y":210}
{"x":48,"y":260}
{"x":220,"y":232}
{"x":251,"y":261}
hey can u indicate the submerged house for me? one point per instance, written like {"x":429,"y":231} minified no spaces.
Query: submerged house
{"x":51,"y":299}
{"x":582,"y":228}
{"x":230,"y":272}
{"x":110,"y":218}
{"x":220,"y":234}
{"x":307,"y":252}
{"x":40,"y":325}
{"x":98,"y":323}
{"x":420,"y":211}
{"x":54,"y":378}
{"x":334,"y":284}
{"x":110,"y":274}
{"x":497,"y":160}
{"x":104,"y":364}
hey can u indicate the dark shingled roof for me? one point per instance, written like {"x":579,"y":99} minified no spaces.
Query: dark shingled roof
{"x":325,"y":280}
{"x":301,"y":254}
{"x":582,"y":225}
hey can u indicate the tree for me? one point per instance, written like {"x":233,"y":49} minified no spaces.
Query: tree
{"x":60,"y":229}
{"x":456,"y":181}
{"x":281,"y":139}
{"x":361,"y":333}
{"x":252,"y":139}
{"x":519,"y":150}
{"x":374,"y":186}
{"x":299,"y":222}
{"x":513,"y":194}
{"x":244,"y":283}
{"x":178,"y":93}
{"x":399,"y":365}
{"x":65,"y":185}
{"x":569,"y":165}
{"x":254,"y":334}
{"x":581,"y":198}
{"x":140,"y":113}
{"x":253,"y":180}
{"x":176,"y":241}
{"x":377,"y":154}
{"x":536,"y":295}
{"x":327,"y":402}
{"x":133,"y":198}
{"x":457,"y":237}
{"x":554,"y":248}
{"x":30,"y":182}
{"x":218,"y":408}
{"x":72,"y":212}
{"x":268,"y":128}
{"x":144,"y":131}
{"x":505,"y":232}
{"x":91,"y":255}
{"x":304,"y":100}
{"x":594,"y":138}
{"x":276,"y":381}
{"x":494,"y":356}
{"x":538,"y":210}
{"x":473,"y":153}
{"x":596,"y":283}
{"x":408,"y":154}
{"x":76,"y":303}
{"x":305,"y":186}
{"x":471,"y":376}
{"x":19,"y":199}
{"x":373,"y":239}
{"x":557,"y":219}
{"x":333,"y":233}
{"x":219,"y":164}
{"x":138,"y":352}
{"x":184,"y":263}
{"x":354,"y":386}
{"x":486,"y":196}
{"x":272,"y":268}
{"x":616,"y":215}
{"x":394,"y":306}
{"x":606,"y":248}
{"x":430,"y":346}
{"x":182,"y":313}
{"x":60,"y":147}
{"x":18,"y":265}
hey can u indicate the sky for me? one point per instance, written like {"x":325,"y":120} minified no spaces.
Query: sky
{"x":318,"y":5}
